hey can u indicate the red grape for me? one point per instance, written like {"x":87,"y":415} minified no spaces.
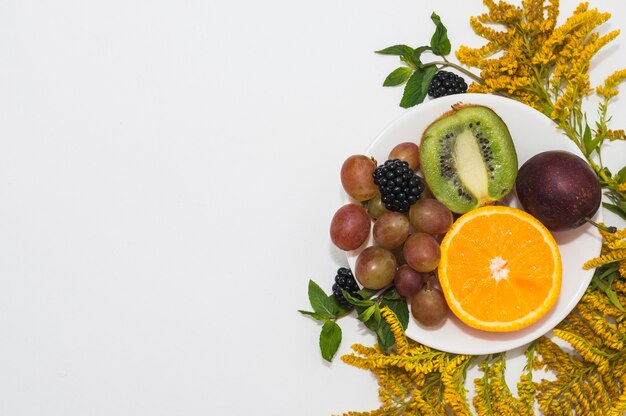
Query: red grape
{"x":407,"y":151}
{"x":429,"y":306}
{"x":356,"y":177}
{"x":407,"y":281}
{"x":391,"y":230}
{"x":350,"y":227}
{"x":430,"y":216}
{"x":422,"y":252}
{"x":375,"y":267}
{"x":376,"y":207}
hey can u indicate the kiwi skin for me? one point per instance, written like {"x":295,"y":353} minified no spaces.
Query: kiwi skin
{"x":468,"y":158}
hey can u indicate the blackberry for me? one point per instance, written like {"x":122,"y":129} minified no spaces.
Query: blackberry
{"x":446,"y":83}
{"x":345,"y":280}
{"x":399,"y":186}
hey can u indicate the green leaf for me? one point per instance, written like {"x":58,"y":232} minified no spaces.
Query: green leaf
{"x":419,"y":50}
{"x":367,"y":313}
{"x":393,"y":295}
{"x":330,"y":338}
{"x":587,"y":139}
{"x":398,"y":76}
{"x":367,"y":293}
{"x":340,"y":310}
{"x":590,"y":143}
{"x":356,"y":301}
{"x":378,"y":318}
{"x":314,"y":315}
{"x":620,"y":176}
{"x":615,"y":209}
{"x":385,"y":337}
{"x":417,"y":86}
{"x":373,"y":321}
{"x":610,"y":273}
{"x":439,"y":43}
{"x":413,"y":59}
{"x":399,"y":50}
{"x":320,"y":302}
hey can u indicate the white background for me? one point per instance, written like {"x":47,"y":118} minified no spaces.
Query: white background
{"x":168,"y":171}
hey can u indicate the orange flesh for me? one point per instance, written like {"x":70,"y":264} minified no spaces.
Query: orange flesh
{"x":501,"y":270}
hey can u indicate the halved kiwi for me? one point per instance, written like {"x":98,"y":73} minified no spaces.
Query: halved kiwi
{"x":468,"y":158}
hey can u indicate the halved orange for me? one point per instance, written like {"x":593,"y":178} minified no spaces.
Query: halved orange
{"x":500,"y":269}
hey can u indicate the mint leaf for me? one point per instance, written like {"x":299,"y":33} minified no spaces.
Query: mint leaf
{"x":385,"y":337}
{"x":339,"y":309}
{"x":373,"y":320}
{"x":320,"y":301}
{"x":398,"y":50}
{"x":413,"y":59}
{"x":417,"y":86}
{"x":419,"y":50}
{"x":330,"y":338}
{"x":393,"y":295}
{"x":439,"y":43}
{"x":356,"y":301}
{"x":313,"y":315}
{"x":367,"y":293}
{"x":367,"y":313}
{"x":398,"y":76}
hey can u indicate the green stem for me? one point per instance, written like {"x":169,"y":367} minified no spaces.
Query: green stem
{"x":459,"y":68}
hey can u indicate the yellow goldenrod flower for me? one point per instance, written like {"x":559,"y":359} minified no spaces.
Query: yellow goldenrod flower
{"x":611,"y":257}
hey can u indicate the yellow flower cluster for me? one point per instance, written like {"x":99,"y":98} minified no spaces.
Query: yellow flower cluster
{"x":493,"y":396}
{"x":592,"y":381}
{"x":413,"y":379}
{"x":613,"y":251}
{"x":417,"y":380}
{"x":533,"y":60}
{"x":609,"y":89}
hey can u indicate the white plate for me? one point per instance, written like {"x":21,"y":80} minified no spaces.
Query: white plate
{"x":532,"y":133}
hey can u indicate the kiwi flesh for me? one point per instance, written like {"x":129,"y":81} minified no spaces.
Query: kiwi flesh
{"x":468,"y":158}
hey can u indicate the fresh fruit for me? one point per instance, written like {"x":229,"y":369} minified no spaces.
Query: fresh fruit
{"x":500,"y":269}
{"x":408,"y":152}
{"x":375,"y":207}
{"x":391,"y":230}
{"x":428,"y":306}
{"x":446,"y":83}
{"x":356,"y":177}
{"x":344,"y":280}
{"x":559,"y":189}
{"x":468,"y":158}
{"x":350,"y":227}
{"x":399,"y":256}
{"x":398,"y":184}
{"x":375,"y":267}
{"x":421,"y":252}
{"x":407,"y":281}
{"x":430,"y":216}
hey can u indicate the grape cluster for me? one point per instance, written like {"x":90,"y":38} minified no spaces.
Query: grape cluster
{"x":406,"y":249}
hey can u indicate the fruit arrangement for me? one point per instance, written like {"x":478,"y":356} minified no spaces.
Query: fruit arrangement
{"x":557,"y":193}
{"x":428,"y":222}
